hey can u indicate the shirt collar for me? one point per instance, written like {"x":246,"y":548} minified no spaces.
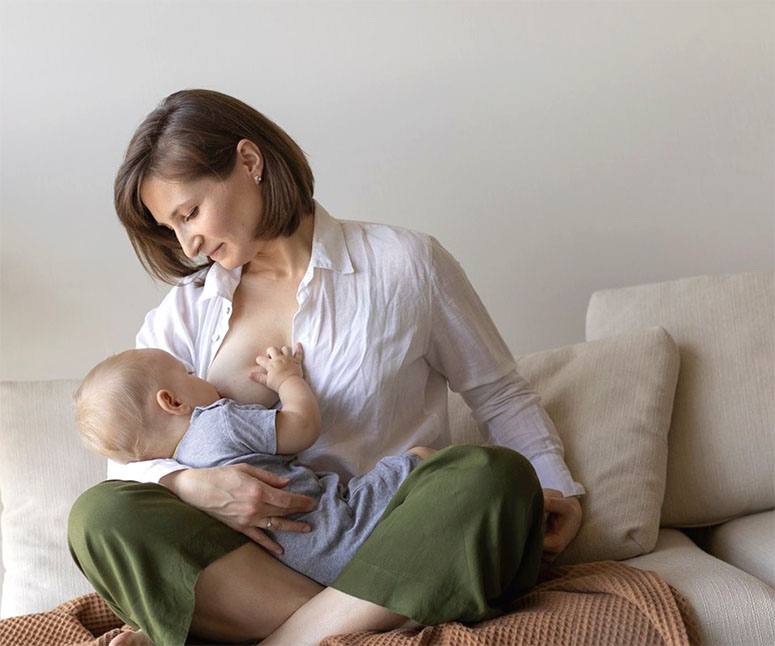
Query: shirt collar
{"x":329,"y":251}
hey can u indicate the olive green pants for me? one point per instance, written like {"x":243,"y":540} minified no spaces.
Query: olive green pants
{"x":461,"y":538}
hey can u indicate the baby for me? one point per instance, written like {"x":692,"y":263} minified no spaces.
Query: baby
{"x":145,"y":404}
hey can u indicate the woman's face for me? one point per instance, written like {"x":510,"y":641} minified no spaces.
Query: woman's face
{"x":209,"y":217}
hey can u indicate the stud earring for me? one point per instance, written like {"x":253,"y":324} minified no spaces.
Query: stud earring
{"x":257,"y":178}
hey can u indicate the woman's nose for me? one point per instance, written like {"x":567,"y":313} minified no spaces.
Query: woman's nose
{"x":191,"y":245}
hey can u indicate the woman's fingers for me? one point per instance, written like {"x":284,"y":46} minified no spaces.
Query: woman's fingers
{"x":563,"y":522}
{"x":282,"y":503}
{"x":285,"y":501}
{"x":263,"y":475}
{"x":280,"y":524}
{"x":262,"y":539}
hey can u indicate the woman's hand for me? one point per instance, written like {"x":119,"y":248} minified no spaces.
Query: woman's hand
{"x":243,"y":497}
{"x":563,"y":520}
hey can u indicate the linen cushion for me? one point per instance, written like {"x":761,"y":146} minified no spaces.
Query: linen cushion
{"x":43,"y":469}
{"x":747,"y":543}
{"x":731,"y":606}
{"x":722,"y":439}
{"x":611,"y":402}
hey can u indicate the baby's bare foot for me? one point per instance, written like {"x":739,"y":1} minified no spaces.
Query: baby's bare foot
{"x":131,"y":638}
{"x":411,"y":624}
{"x":422,"y":451}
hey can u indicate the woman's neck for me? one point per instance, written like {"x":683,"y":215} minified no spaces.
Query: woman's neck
{"x":283,"y":258}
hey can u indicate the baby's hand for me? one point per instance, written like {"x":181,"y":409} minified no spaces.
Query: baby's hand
{"x":279,"y":365}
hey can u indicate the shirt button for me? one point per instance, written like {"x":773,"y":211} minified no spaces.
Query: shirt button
{"x":216,"y":337}
{"x":228,"y":309}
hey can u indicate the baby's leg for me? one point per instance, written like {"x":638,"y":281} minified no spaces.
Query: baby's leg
{"x":332,"y":612}
{"x":423,"y":451}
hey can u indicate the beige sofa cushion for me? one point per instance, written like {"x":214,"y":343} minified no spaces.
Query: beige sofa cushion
{"x":610,"y":401}
{"x":43,"y":469}
{"x":722,"y":439}
{"x":747,"y":543}
{"x":731,"y":606}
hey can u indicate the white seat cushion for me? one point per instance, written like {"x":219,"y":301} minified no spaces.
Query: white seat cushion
{"x":747,"y":543}
{"x":731,"y":606}
{"x":43,"y":469}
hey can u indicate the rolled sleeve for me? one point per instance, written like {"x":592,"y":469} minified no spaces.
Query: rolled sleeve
{"x":511,"y":415}
{"x":465,"y":346}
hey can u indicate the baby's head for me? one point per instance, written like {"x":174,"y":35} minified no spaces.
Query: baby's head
{"x":136,"y":405}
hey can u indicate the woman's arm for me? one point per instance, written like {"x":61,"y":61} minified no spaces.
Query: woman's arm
{"x":511,"y":415}
{"x":466,"y":347}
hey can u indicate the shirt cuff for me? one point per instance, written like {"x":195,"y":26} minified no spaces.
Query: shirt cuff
{"x":146,"y":471}
{"x":553,"y":474}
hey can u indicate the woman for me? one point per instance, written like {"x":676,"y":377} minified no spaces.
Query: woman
{"x":387,"y":319}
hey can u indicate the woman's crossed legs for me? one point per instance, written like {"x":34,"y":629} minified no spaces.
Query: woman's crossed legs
{"x":229,"y":597}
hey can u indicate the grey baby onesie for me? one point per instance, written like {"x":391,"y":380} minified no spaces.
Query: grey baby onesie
{"x":230,"y":433}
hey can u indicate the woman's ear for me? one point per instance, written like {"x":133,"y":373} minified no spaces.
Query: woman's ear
{"x":170,"y":404}
{"x":251,"y":157}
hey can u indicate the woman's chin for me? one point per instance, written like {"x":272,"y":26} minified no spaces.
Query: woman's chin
{"x":227,"y":263}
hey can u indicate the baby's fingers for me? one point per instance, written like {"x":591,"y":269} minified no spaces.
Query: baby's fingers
{"x":299,"y":352}
{"x":286,"y":351}
{"x":272,"y":352}
{"x":259,"y":377}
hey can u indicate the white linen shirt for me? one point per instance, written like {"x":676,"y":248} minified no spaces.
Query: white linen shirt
{"x":387,"y":317}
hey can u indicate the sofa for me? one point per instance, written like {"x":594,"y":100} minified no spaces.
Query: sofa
{"x":667,"y":416}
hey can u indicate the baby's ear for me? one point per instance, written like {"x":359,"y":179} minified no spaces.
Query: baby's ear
{"x":169,"y":403}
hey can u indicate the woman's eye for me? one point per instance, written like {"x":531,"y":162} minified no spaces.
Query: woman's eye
{"x":191,"y":215}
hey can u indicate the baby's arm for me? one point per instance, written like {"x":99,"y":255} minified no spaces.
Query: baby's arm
{"x":298,"y":423}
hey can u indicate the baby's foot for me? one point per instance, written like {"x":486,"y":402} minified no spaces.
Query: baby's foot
{"x":131,"y":638}
{"x":411,"y":624}
{"x":423,"y":452}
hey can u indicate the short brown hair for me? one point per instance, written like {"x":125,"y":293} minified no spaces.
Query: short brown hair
{"x":194,"y":134}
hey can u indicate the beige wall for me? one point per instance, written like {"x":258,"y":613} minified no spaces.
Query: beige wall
{"x":554,"y":148}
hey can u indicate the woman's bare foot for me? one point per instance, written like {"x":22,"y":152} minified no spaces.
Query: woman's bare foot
{"x":332,"y":612}
{"x":131,"y":638}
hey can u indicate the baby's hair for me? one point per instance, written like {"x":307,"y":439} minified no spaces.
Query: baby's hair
{"x":111,"y":406}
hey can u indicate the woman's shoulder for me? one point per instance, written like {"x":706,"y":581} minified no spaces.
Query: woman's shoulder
{"x":386,"y":241}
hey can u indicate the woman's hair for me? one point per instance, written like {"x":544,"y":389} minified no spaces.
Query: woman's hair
{"x":111,"y":406}
{"x":194,"y":134}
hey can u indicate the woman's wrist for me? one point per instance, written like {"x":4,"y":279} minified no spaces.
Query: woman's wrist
{"x":172,"y":481}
